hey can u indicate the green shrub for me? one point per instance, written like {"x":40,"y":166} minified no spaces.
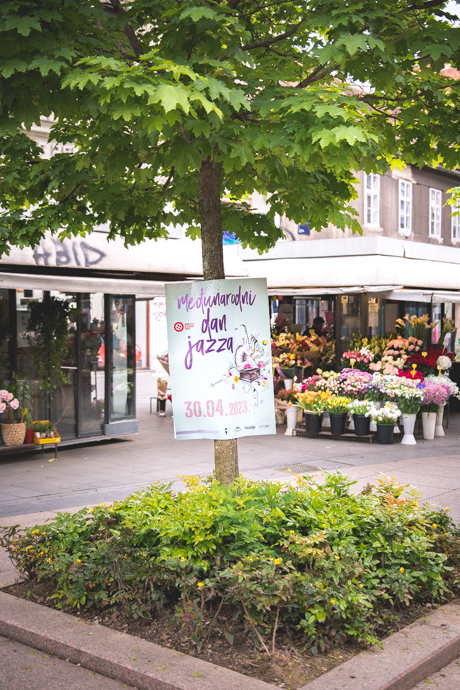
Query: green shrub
{"x":312,"y":558}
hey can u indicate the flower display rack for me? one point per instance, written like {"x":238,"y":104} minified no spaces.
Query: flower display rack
{"x":347,"y":436}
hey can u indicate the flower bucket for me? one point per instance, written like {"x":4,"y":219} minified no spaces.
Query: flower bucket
{"x":373,"y":425}
{"x":439,"y":429}
{"x":429,"y":425}
{"x":288,"y":384}
{"x":326,"y":420}
{"x":291,"y":418}
{"x":362,"y":424}
{"x":385,"y":433}
{"x":351,"y":422}
{"x":14,"y":434}
{"x":313,"y":422}
{"x":338,"y":422}
{"x":29,"y":436}
{"x":409,"y":423}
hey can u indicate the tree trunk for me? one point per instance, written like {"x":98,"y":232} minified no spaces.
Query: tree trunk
{"x":209,"y":177}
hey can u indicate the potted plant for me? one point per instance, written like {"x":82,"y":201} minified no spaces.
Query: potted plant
{"x":385,"y":418}
{"x":313,"y":404}
{"x":337,"y":405}
{"x":409,"y":400}
{"x":359,"y":409}
{"x":13,"y":432}
{"x":435,"y":395}
{"x":47,"y":334}
{"x":454,"y":391}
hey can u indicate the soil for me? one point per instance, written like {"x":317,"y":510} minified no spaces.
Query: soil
{"x":291,"y":667}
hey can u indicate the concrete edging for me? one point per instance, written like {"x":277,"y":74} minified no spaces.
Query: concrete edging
{"x":120,"y":656}
{"x":408,"y":656}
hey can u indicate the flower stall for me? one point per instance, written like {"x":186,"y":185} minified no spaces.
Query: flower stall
{"x":381,"y":383}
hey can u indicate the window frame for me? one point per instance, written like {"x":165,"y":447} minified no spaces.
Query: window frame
{"x":372,"y":193}
{"x":407,"y":184}
{"x":455,"y":223}
{"x":435,"y":206}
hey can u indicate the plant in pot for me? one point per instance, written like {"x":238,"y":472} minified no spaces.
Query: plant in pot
{"x":435,"y":396}
{"x":359,"y":410}
{"x":454,"y":392}
{"x":409,"y":398}
{"x":313,"y":404}
{"x":337,"y":405}
{"x":385,"y":418}
{"x":13,"y":432}
{"x":47,"y":334}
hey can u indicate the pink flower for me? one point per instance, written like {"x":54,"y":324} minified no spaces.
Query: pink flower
{"x":14,"y":404}
{"x":2,"y":407}
{"x":3,"y":394}
{"x":411,"y":347}
{"x":9,"y":396}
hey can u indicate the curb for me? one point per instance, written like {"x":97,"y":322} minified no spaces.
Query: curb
{"x":120,"y":656}
{"x":408,"y":656}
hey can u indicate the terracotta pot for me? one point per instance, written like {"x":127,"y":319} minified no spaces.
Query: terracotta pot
{"x":14,"y":434}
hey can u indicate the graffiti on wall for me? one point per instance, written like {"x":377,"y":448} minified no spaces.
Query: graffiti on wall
{"x":77,"y":253}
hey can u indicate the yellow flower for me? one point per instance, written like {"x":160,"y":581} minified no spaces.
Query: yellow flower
{"x":337,"y":558}
{"x":78,"y":560}
{"x":416,"y":504}
{"x":332,"y":601}
{"x":401,"y":570}
{"x":103,"y":504}
{"x":91,"y":510}
{"x":35,"y":531}
{"x":182,"y":559}
{"x":200,"y":584}
{"x":434,"y":525}
{"x":278,"y":561}
{"x":361,"y":586}
{"x":48,"y":560}
{"x":291,"y":531}
{"x":125,"y":556}
{"x":447,"y":508}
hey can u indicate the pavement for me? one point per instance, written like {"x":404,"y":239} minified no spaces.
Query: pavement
{"x":34,"y":488}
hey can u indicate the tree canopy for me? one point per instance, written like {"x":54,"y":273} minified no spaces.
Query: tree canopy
{"x":284,"y":98}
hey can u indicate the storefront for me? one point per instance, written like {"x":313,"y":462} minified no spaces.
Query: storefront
{"x":360,"y":285}
{"x":93,"y":387}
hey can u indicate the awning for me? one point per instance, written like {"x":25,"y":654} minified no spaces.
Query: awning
{"x":21,"y":281}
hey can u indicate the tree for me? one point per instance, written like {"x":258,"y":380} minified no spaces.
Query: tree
{"x":174,"y":104}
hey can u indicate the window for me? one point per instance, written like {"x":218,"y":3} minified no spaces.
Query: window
{"x":372,"y":200}
{"x":405,"y":207}
{"x":435,"y":213}
{"x":455,"y":222}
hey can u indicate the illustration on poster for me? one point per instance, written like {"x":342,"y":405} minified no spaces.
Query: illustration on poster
{"x":248,"y":367}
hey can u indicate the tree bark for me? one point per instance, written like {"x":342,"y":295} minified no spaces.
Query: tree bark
{"x":209,"y":177}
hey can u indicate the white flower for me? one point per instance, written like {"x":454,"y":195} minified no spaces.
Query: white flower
{"x":443,"y":362}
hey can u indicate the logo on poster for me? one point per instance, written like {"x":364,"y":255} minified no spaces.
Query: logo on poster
{"x":178,"y":327}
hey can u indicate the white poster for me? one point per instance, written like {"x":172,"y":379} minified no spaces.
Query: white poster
{"x":220,"y":358}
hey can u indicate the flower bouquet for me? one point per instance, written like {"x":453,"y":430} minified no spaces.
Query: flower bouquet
{"x":385,"y":417}
{"x":355,"y":383}
{"x":357,"y":359}
{"x":313,"y":404}
{"x":13,"y":432}
{"x":426,"y":361}
{"x":435,"y":396}
{"x":337,"y":406}
{"x":359,"y":410}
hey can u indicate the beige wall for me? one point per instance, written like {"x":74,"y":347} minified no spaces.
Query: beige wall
{"x":421,"y":180}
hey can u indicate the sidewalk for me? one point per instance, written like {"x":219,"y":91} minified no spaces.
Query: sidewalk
{"x":33,"y":488}
{"x":91,"y":474}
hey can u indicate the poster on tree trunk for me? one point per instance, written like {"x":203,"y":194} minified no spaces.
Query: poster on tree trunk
{"x":220,"y":358}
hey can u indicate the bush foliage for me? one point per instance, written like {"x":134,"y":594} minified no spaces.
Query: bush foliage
{"x":310,"y":558}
